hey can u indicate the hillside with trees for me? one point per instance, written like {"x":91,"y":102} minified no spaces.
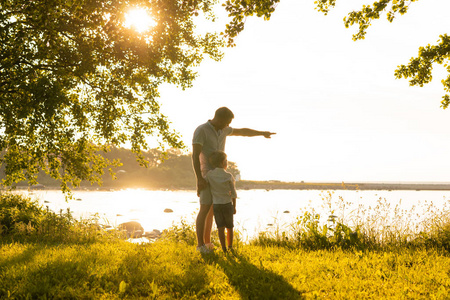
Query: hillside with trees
{"x":165,"y":170}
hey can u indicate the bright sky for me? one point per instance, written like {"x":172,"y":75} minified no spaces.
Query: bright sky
{"x":337,"y":109}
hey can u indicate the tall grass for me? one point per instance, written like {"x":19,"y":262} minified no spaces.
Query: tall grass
{"x":378,"y":227}
{"x":24,"y":219}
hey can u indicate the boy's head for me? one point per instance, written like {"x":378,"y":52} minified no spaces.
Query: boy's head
{"x":218,"y":159}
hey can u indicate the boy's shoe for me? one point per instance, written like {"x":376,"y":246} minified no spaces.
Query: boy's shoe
{"x":204,"y":250}
{"x":231,"y":250}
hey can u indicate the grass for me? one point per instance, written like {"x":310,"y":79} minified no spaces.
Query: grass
{"x":39,"y":260}
{"x":171,"y":270}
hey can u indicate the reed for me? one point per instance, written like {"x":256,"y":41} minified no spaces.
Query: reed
{"x":380,"y":227}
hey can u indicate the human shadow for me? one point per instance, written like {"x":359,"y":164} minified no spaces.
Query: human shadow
{"x":251,"y":281}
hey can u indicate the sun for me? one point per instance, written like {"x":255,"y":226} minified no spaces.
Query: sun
{"x":139,"y":19}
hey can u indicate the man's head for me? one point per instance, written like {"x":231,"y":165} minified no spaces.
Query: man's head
{"x":218,"y":159}
{"x":223,"y":117}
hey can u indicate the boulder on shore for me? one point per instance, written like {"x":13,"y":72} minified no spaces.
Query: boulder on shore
{"x":133,"y":229}
{"x":153,"y":234}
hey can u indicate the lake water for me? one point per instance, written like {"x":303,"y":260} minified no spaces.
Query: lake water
{"x":257,"y":210}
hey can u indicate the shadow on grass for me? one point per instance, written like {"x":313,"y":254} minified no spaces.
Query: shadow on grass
{"x":251,"y":281}
{"x":21,"y":257}
{"x":26,"y":276}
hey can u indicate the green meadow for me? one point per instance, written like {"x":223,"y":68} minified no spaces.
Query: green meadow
{"x":47,"y":255}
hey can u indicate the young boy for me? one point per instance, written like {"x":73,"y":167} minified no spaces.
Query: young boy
{"x":224,"y":197}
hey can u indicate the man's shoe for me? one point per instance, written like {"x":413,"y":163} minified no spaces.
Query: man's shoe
{"x":204,"y":250}
{"x":210,"y":246}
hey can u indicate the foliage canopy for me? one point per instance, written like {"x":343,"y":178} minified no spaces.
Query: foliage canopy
{"x":74,"y":80}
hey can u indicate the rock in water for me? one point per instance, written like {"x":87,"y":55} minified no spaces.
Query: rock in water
{"x":153,"y":234}
{"x":133,"y":229}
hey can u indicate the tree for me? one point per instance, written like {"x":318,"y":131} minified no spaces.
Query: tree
{"x":74,"y":80}
{"x":418,"y":70}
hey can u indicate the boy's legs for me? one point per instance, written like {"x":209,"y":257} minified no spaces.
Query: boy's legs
{"x":230,"y":237}
{"x":221,"y":231}
{"x":223,"y":214}
{"x":229,"y":224}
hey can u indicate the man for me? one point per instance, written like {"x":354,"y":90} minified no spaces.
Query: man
{"x":210,"y":137}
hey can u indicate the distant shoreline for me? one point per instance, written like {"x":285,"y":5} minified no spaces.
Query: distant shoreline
{"x":341,"y":186}
{"x":277,"y":185}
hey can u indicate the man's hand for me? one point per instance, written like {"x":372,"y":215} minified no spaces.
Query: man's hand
{"x":267,"y":134}
{"x":251,"y":132}
{"x":201,"y":185}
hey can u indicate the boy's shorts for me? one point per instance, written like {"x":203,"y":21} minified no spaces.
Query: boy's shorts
{"x":205,"y":196}
{"x":223,"y":213}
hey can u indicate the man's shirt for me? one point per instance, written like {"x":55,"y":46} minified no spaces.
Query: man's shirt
{"x":211,"y":140}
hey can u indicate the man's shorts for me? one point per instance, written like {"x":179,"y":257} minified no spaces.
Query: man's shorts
{"x":223,"y":213}
{"x":205,"y":196}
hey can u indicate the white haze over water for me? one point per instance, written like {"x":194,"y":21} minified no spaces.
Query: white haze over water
{"x":257,"y":210}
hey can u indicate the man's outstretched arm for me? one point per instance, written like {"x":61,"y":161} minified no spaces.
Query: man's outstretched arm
{"x":251,"y":132}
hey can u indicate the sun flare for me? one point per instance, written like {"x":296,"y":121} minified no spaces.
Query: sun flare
{"x":139,"y":19}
